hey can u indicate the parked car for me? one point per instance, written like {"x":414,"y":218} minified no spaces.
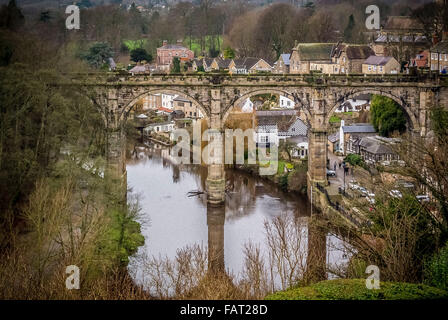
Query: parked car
{"x":423,"y":198}
{"x":370,"y":200}
{"x":370,"y":194}
{"x":331,"y":173}
{"x":395,"y":194}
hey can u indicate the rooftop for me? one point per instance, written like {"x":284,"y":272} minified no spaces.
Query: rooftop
{"x":359,"y":128}
{"x":353,"y":51}
{"x":378,"y":61}
{"x":441,"y":47}
{"x":315,"y":51}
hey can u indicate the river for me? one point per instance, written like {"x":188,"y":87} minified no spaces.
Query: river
{"x":171,"y":220}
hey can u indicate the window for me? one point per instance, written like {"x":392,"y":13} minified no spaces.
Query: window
{"x":381,"y":69}
{"x":370,"y":68}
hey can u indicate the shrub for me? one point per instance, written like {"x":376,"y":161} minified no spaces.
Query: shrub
{"x":355,"y":289}
{"x":436,"y":270}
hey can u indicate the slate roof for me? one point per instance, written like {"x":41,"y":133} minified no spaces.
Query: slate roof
{"x":246,"y":63}
{"x":354,"y":52}
{"x":223,"y":63}
{"x":315,"y":51}
{"x":285,"y":57}
{"x":207,"y":61}
{"x":376,"y":145}
{"x":198,"y":62}
{"x":275,"y":113}
{"x":138,"y":69}
{"x":333,"y":137}
{"x":359,"y":128}
{"x":397,"y":39}
{"x":377,"y":61}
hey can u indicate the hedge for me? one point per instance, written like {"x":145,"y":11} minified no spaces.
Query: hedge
{"x":355,"y":289}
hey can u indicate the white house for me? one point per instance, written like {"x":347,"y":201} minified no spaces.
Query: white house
{"x":248,"y":106}
{"x":265,"y":135}
{"x":159,"y":127}
{"x":286,"y":102}
{"x":167,"y":100}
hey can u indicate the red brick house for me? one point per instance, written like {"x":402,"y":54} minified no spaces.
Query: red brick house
{"x":167,"y":52}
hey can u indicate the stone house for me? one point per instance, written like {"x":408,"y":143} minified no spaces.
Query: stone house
{"x":304,"y":54}
{"x":439,"y":57}
{"x":186,"y":105}
{"x":349,"y":136}
{"x":349,"y":57}
{"x":381,"y":65}
{"x":377,"y":149}
{"x":167,"y":52}
{"x":249,"y":65}
{"x":281,"y":66}
{"x":196,"y":64}
{"x":207,"y":64}
{"x":220,"y":64}
{"x":152,"y":101}
{"x":401,"y":37}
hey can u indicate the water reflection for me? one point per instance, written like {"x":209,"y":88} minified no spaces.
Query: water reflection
{"x":177,"y":220}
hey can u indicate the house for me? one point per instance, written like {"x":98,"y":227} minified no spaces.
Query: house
{"x":161,"y":127}
{"x":401,"y":37}
{"x":439,"y":57}
{"x":304,"y":54}
{"x":197,"y":64}
{"x":139,"y":69}
{"x":248,"y":106}
{"x":333,"y":142}
{"x":349,"y":135}
{"x":167,"y":52}
{"x":377,"y":149}
{"x":152,"y":101}
{"x":164,"y":111}
{"x":190,"y":110}
{"x":220,"y":64}
{"x":349,"y":58}
{"x":266,"y":135}
{"x":281,"y":125}
{"x":420,"y":61}
{"x":167,"y":100}
{"x":281,"y":66}
{"x":207,"y":64}
{"x":381,"y":65}
{"x":301,"y":147}
{"x":359,"y":103}
{"x":249,"y":65}
{"x":286,"y":103}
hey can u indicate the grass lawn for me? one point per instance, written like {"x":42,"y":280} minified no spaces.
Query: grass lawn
{"x":196,"y":44}
{"x":355,"y":289}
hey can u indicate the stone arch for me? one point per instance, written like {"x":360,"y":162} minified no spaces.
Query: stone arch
{"x":141,"y":95}
{"x":229,"y":108}
{"x":410,"y":117}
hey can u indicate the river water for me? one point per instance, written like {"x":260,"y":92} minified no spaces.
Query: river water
{"x":171,"y":220}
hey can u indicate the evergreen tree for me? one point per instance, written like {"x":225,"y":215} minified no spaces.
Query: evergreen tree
{"x":11,"y":16}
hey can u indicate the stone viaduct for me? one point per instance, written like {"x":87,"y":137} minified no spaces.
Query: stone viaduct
{"x":316,"y":98}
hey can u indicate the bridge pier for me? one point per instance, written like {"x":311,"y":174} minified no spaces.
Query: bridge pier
{"x":317,"y":160}
{"x":216,"y":181}
{"x":115,"y":170}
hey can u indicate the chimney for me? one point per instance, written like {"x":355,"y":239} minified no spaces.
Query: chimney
{"x":165,"y":42}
